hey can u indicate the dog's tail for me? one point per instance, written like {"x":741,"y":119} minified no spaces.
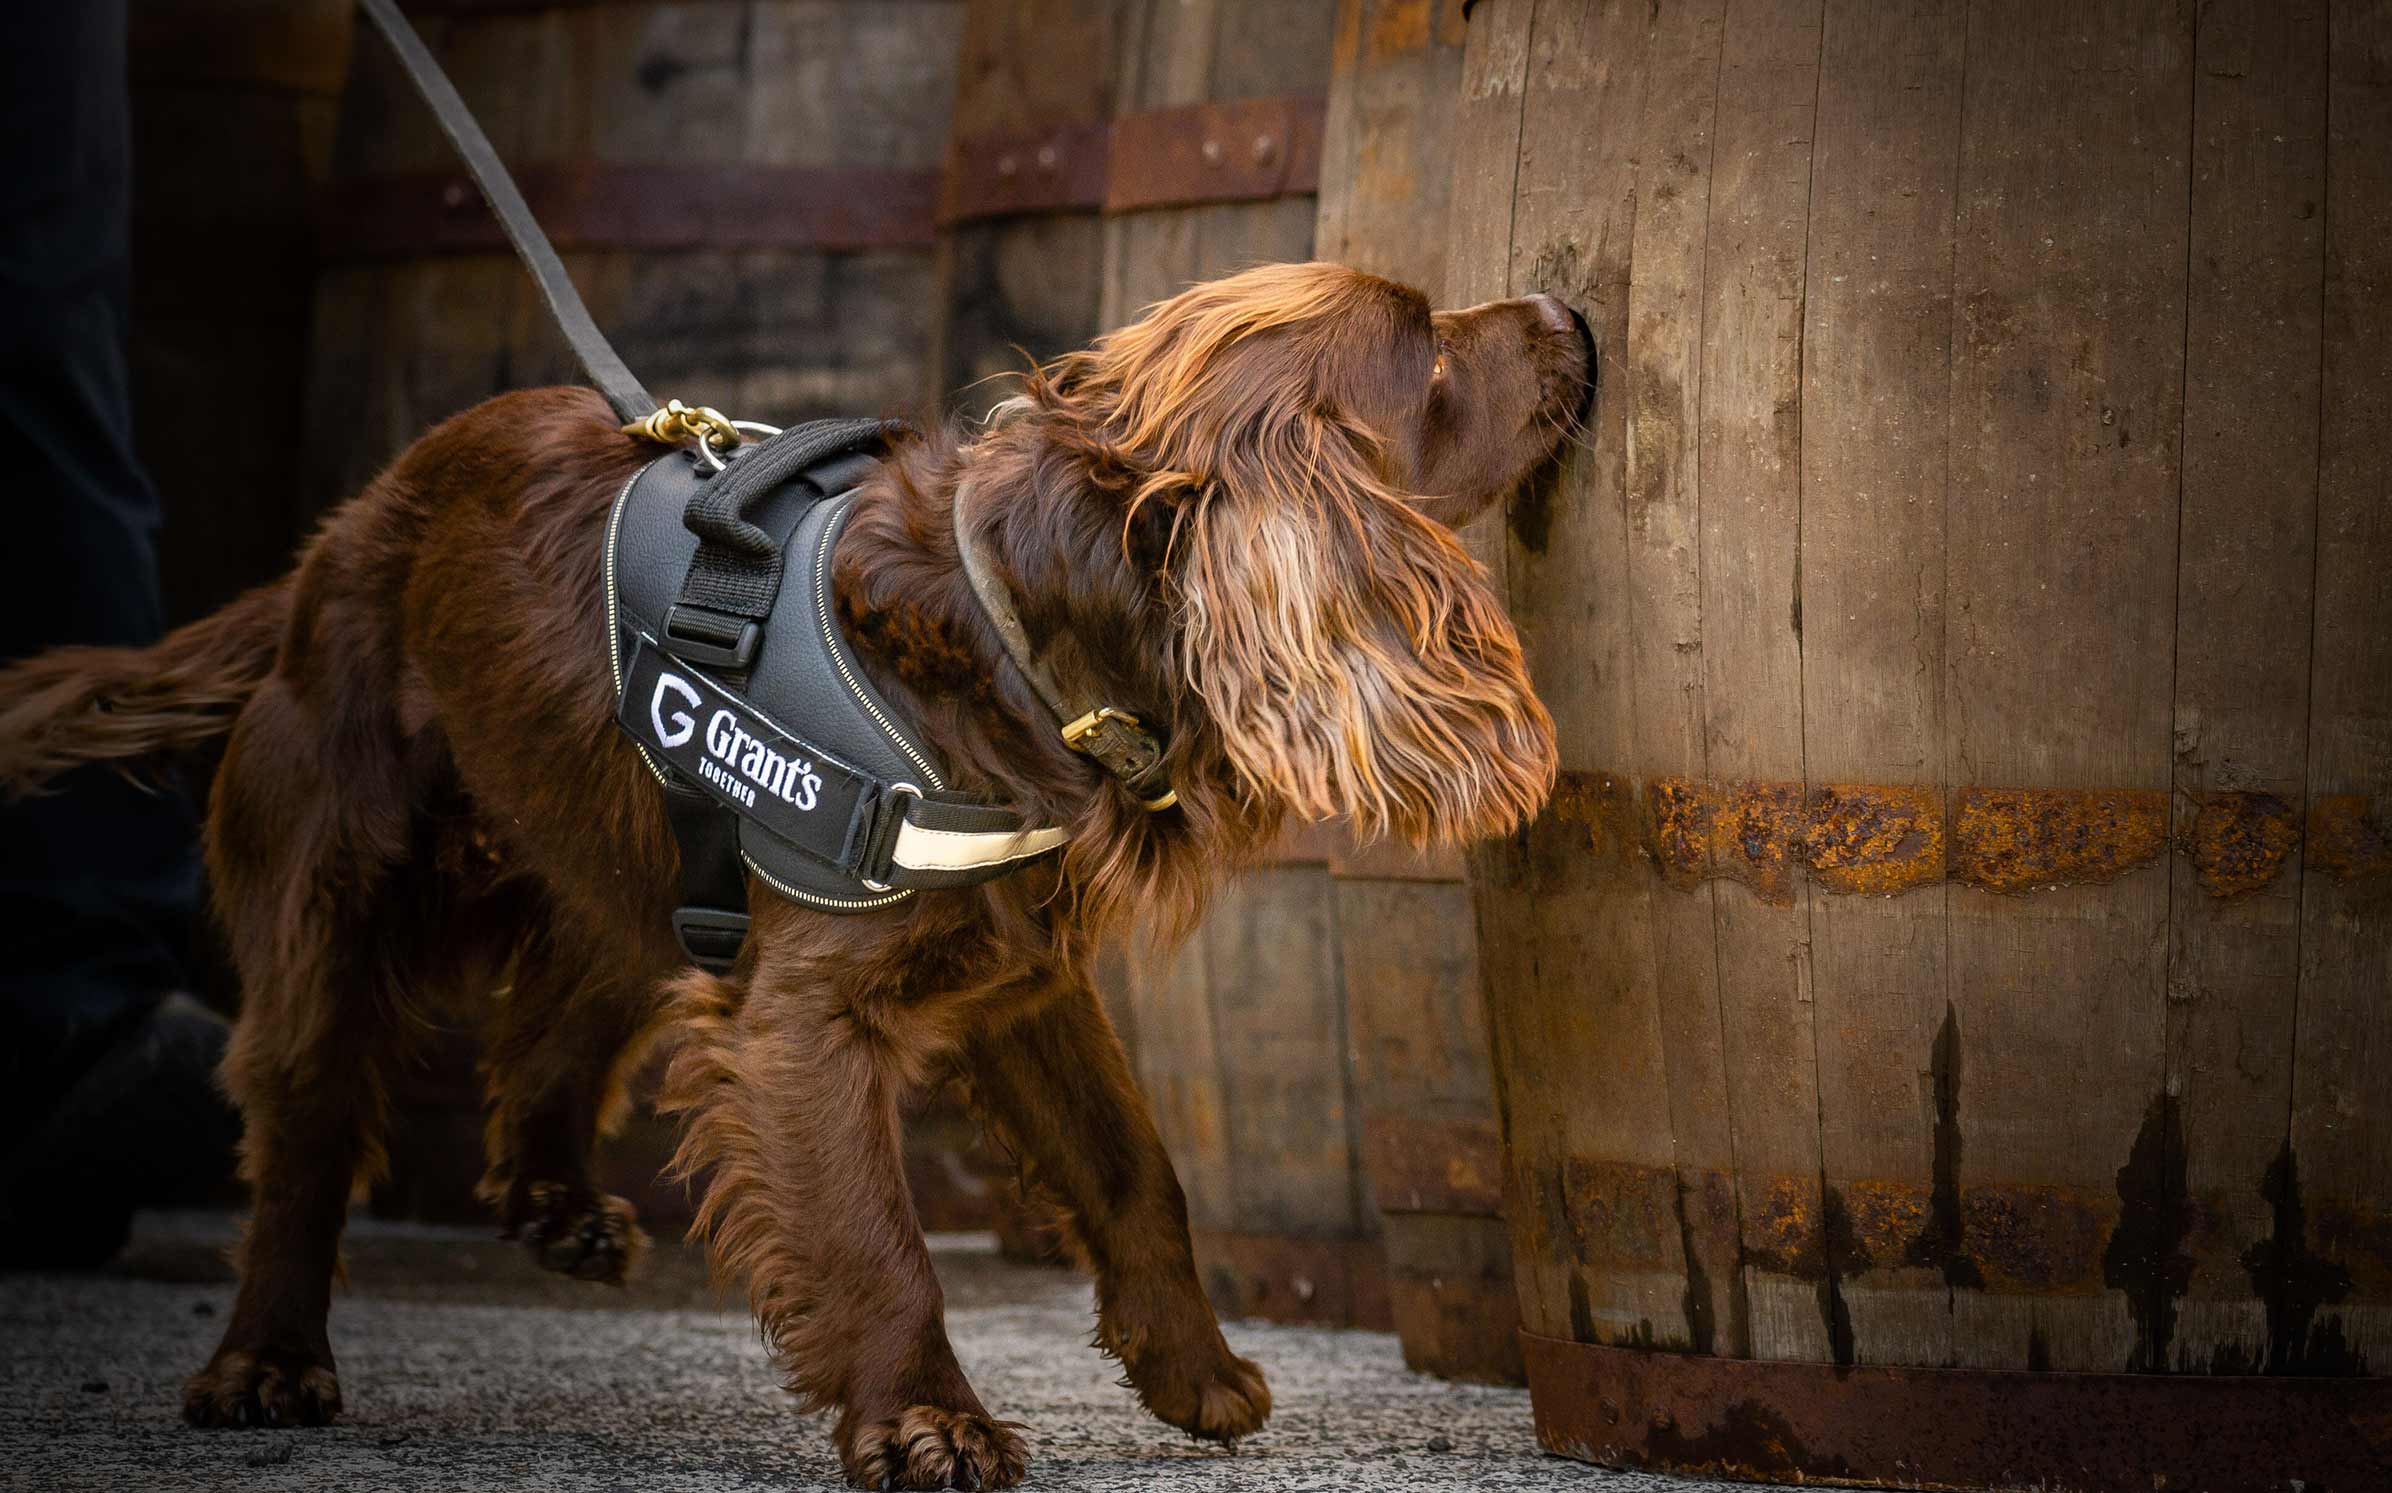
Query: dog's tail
{"x":90,"y":704}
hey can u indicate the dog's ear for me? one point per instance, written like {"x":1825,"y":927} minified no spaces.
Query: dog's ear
{"x":1347,"y":649}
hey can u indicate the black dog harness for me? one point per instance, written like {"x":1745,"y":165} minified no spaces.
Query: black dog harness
{"x":735,"y":681}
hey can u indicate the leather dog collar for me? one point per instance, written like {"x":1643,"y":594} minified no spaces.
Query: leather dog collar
{"x":1115,"y":739}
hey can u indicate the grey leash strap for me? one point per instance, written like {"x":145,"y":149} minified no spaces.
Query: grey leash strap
{"x":598,"y":357}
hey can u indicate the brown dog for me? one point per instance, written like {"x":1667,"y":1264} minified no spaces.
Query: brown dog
{"x":1220,"y":516}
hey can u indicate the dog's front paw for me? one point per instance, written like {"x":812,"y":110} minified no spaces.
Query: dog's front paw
{"x":575,"y":1232}
{"x":924,"y":1446}
{"x":1221,"y":1398}
{"x":263,"y":1389}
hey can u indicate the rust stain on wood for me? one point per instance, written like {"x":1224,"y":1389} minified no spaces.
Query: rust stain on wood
{"x":2350,"y":837}
{"x":1881,"y":839}
{"x":1757,"y":831}
{"x":1785,"y":1232}
{"x":1620,"y":1215}
{"x":2036,"y":1240}
{"x":1867,"y":837}
{"x":1605,"y":805}
{"x":2240,"y":842}
{"x":2023,"y":839}
{"x":1679,"y":811}
{"x":2020,"y":1239}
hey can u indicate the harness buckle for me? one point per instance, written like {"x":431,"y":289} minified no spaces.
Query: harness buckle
{"x":698,"y":636}
{"x":710,"y":936}
{"x":881,"y":854}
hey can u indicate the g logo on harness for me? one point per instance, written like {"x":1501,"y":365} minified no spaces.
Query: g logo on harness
{"x":684,"y":724}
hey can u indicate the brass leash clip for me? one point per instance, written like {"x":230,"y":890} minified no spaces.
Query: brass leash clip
{"x":677,"y":422}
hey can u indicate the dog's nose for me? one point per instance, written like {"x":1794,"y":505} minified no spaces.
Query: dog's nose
{"x":1558,"y":318}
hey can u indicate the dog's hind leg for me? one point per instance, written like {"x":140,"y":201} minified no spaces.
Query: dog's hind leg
{"x":1056,"y":1087}
{"x":560,"y":1048}
{"x":792,"y":1097}
{"x":312,"y":889}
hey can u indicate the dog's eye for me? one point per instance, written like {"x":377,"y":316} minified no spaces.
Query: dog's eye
{"x":1437,"y":369}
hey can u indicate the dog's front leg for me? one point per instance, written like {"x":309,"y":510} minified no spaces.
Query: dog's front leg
{"x":1057,"y":1087}
{"x":793,"y":1098}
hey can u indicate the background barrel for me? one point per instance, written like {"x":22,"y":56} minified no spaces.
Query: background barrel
{"x":1022,"y":239}
{"x":1960,"y":946}
{"x":745,"y":191}
{"x":1415,"y":1031}
{"x":233,"y":112}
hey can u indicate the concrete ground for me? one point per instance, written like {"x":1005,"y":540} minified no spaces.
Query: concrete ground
{"x":463,"y":1367}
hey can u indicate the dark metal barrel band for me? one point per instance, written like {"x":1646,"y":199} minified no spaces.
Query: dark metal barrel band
{"x":1755,"y":1421}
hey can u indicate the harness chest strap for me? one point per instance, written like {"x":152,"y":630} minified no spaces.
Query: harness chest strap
{"x":712,"y":743}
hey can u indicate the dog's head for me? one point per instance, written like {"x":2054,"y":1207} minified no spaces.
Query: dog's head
{"x":1279,"y":456}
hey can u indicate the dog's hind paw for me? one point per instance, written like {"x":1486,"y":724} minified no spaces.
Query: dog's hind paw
{"x":1226,"y":1401}
{"x":927,"y":1447}
{"x":576,"y":1233}
{"x":263,"y":1389}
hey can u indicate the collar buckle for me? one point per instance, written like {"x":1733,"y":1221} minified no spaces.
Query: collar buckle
{"x":1123,"y":747}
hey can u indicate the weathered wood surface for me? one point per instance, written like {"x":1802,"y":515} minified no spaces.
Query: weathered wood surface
{"x":232,"y":134}
{"x":2331,"y":1199}
{"x":1962,"y":934}
{"x":1179,"y":52}
{"x":1877,"y":334}
{"x":2247,"y":547}
{"x":1038,"y":77}
{"x":1421,"y":1077}
{"x":775,"y":334}
{"x":1240,"y":1043}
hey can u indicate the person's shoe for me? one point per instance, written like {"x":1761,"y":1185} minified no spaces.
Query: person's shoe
{"x":145,"y":1126}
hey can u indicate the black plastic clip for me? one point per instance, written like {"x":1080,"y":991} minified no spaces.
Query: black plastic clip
{"x":710,"y":936}
{"x":699,"y":636}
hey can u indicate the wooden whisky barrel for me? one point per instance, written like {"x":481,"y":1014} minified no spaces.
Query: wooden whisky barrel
{"x":1959,"y":951}
{"x":744,"y":190}
{"x":1417,"y":1035}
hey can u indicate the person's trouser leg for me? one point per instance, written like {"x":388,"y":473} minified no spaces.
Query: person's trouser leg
{"x":98,"y":880}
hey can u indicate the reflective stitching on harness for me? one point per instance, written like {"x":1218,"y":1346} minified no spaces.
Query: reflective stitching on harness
{"x":822,"y":611}
{"x":786,"y":890}
{"x":614,"y":613}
